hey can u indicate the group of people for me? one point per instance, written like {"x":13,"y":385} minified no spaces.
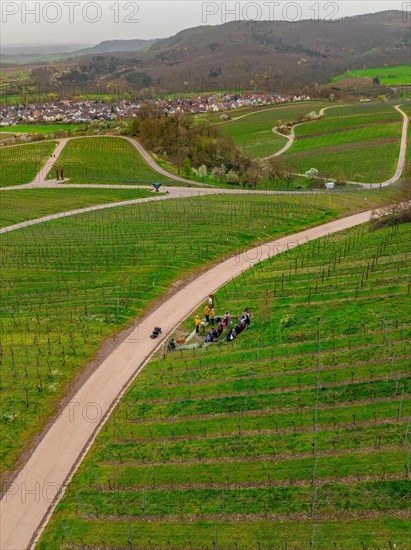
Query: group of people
{"x":222,"y":324}
{"x":243,"y":323}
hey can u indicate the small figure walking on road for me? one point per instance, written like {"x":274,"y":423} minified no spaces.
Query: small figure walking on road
{"x":197,"y":322}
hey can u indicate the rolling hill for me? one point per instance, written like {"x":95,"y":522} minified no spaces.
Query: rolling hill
{"x":279,"y":56}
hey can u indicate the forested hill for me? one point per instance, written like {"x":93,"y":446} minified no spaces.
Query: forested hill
{"x":233,"y":54}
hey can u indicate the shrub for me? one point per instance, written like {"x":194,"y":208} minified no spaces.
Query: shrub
{"x":232,"y":177}
{"x":186,"y":167}
{"x":387,"y":216}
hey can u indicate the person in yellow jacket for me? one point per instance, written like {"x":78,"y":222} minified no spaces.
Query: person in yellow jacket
{"x":197,"y":322}
{"x":207,"y":313}
{"x":212,"y":316}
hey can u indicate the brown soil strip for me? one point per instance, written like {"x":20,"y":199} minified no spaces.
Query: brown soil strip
{"x":249,"y":518}
{"x":344,"y":147}
{"x":259,"y":412}
{"x":292,"y":482}
{"x":274,"y":457}
{"x":271,"y":391}
{"x":348,"y":128}
{"x":252,"y":433}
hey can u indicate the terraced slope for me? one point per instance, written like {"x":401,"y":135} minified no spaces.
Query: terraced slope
{"x":294,"y":435}
{"x":355,"y":143}
{"x":20,"y":164}
{"x":253,"y":132}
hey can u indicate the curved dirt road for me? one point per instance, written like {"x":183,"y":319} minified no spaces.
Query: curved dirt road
{"x":41,"y":181}
{"x":291,"y":137}
{"x":29,"y":501}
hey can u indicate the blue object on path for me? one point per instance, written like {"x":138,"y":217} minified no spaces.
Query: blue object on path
{"x":157,"y":186}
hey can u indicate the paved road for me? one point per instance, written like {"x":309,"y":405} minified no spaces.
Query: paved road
{"x":59,"y":453}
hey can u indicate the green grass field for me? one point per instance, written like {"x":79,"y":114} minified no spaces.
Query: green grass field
{"x":20,"y":164}
{"x":38,"y":128}
{"x":253,"y":133}
{"x":68,"y":284}
{"x":20,"y":206}
{"x":396,"y":74}
{"x":358,"y":143}
{"x":295,"y":435}
{"x":105,"y":160}
{"x":25,"y":97}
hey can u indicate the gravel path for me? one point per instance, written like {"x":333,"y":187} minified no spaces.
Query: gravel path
{"x":41,"y":482}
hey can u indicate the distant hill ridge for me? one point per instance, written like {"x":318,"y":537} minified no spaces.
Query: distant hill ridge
{"x":228,"y":55}
{"x":113,"y":46}
{"x":283,"y":56}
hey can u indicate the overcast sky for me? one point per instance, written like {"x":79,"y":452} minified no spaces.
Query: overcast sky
{"x":90,"y":22}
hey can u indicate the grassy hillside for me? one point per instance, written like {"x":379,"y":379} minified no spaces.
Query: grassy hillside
{"x":70,"y":283}
{"x":389,"y":75}
{"x":253,"y":132}
{"x":279,"y":56}
{"x":21,"y":164}
{"x":18,"y":206}
{"x":355,"y":143}
{"x":105,"y":160}
{"x":296,"y":432}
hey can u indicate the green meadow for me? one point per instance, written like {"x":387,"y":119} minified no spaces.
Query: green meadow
{"x":38,"y":128}
{"x":391,"y":75}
